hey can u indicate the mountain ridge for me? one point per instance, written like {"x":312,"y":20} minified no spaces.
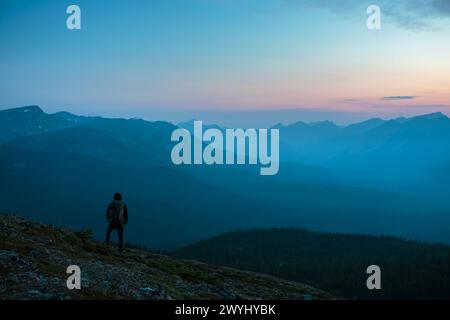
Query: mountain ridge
{"x":36,"y":109}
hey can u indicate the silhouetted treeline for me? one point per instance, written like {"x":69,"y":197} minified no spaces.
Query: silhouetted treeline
{"x":334,"y":262}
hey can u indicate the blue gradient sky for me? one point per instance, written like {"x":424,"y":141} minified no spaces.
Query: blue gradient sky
{"x":178,"y":59}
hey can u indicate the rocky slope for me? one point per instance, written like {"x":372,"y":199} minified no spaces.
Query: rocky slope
{"x":34,"y":258}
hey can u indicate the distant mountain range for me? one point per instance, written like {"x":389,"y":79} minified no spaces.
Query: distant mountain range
{"x":400,"y":145}
{"x":381,"y":177}
{"x":110,"y":139}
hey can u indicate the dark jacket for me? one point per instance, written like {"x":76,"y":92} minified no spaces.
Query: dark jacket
{"x":113,"y":212}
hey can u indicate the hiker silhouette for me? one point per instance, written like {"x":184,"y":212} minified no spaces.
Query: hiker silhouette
{"x":117,"y":216}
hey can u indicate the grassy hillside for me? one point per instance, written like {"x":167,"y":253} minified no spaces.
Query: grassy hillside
{"x":34,"y":258}
{"x":334,"y":262}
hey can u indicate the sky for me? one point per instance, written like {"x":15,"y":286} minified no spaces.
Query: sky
{"x":272,"y":60}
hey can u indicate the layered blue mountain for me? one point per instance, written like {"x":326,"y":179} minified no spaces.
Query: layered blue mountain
{"x":365,"y":178}
{"x":424,"y":137}
{"x":27,"y":121}
{"x":400,"y":154}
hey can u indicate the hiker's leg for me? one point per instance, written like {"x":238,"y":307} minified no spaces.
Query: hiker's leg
{"x":108,"y":233}
{"x":120,"y":232}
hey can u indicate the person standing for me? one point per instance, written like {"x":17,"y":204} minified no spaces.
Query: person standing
{"x":117,"y":216}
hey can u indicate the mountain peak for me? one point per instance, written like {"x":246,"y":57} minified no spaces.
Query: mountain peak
{"x":188,"y":123}
{"x":432,"y":116}
{"x":426,"y":117}
{"x":278,"y":125}
{"x":27,"y":109}
{"x":326,"y":123}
